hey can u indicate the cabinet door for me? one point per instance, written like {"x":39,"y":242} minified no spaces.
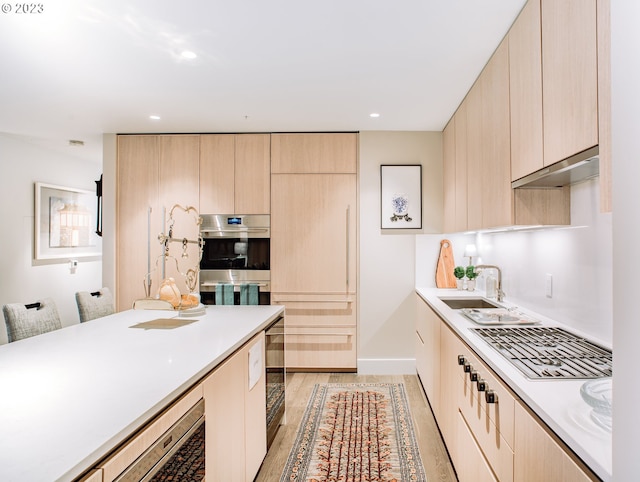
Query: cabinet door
{"x":314,"y":153}
{"x":569,"y":77}
{"x":449,"y":175}
{"x":539,"y":457}
{"x":461,"y":168}
{"x":525,"y":91}
{"x":475,"y":155}
{"x":428,"y":354}
{"x":137,"y":193}
{"x":471,"y":466}
{"x":252,"y":174}
{"x":497,"y":195}
{"x":179,"y":184}
{"x":223,"y":392}
{"x":313,"y":233}
{"x":217,"y":173}
{"x":235,"y":418}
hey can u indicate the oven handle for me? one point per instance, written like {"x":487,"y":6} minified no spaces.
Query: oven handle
{"x":236,"y":231}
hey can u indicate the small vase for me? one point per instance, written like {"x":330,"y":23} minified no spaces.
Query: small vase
{"x":460,"y":284}
{"x":471,"y":284}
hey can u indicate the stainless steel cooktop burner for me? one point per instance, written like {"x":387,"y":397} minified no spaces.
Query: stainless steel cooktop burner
{"x":549,"y":352}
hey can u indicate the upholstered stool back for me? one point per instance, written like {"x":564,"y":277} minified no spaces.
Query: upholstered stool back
{"x":95,"y":304}
{"x":24,"y":321}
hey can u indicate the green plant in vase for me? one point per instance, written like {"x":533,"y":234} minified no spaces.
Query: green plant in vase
{"x":459,"y":272}
{"x":471,"y":274}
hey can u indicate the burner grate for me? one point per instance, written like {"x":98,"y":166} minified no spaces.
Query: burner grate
{"x":549,"y":352}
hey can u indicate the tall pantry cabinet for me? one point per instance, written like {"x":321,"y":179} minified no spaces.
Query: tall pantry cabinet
{"x":154,"y":172}
{"x":314,"y":247}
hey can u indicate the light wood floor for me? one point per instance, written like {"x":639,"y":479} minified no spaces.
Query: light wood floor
{"x":298,"y":390}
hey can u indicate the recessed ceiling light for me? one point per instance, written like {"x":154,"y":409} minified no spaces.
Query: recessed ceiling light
{"x":188,"y":54}
{"x":76,"y":142}
{"x":374,"y":115}
{"x":154,"y":117}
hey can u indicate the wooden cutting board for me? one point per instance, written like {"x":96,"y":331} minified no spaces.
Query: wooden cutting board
{"x":444,"y":269}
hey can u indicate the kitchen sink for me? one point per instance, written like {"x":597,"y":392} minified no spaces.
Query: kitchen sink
{"x":459,"y":303}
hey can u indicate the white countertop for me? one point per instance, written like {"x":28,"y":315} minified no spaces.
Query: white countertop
{"x":557,"y":402}
{"x":69,"y":396}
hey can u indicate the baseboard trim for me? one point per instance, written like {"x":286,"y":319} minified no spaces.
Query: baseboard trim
{"x":386,"y":366}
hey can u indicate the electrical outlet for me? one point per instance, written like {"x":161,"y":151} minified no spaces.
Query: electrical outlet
{"x":548,"y":285}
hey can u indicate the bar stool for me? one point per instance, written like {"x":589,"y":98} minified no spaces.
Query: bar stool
{"x":95,"y":304}
{"x":24,"y":321}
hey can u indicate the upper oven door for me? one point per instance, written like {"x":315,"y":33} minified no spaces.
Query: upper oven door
{"x":236,"y":242}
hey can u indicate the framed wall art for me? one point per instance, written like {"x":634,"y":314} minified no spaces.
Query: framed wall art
{"x":65,"y":219}
{"x":401,"y":196}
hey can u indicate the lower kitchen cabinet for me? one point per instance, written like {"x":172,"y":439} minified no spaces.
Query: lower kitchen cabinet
{"x":235,"y":414}
{"x":470,"y":417}
{"x":428,"y":352}
{"x":540,"y":456}
{"x":491,"y":435}
{"x":320,"y":332}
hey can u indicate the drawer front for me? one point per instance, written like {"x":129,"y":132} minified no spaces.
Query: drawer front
{"x":501,"y":413}
{"x":308,"y":347}
{"x":472,"y":466}
{"x":473,"y":409}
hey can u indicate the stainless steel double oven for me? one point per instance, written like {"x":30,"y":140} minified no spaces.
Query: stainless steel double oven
{"x":237,"y":251}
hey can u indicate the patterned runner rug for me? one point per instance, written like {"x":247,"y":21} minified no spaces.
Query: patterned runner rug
{"x":356,"y":432}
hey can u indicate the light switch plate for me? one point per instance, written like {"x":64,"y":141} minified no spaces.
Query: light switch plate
{"x":548,"y":285}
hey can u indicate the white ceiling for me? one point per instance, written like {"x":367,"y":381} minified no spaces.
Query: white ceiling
{"x":81,"y":68}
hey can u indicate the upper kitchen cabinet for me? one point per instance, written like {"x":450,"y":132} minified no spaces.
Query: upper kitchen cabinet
{"x":495,"y":176}
{"x":454,"y":147}
{"x":314,"y":153}
{"x":449,"y":175}
{"x":153,"y":174}
{"x":525,"y":89}
{"x":235,"y":173}
{"x":569,"y":77}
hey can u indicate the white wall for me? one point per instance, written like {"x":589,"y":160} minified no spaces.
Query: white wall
{"x":625,"y":108}
{"x":387,"y":259}
{"x":25,"y":161}
{"x":577,"y":258}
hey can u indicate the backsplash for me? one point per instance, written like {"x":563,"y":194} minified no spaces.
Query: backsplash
{"x":578,"y":258}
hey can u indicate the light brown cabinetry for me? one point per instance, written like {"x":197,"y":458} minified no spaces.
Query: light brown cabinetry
{"x":314,"y":247}
{"x":428,"y":352}
{"x":449,"y":175}
{"x":314,"y":153}
{"x":470,"y":418}
{"x":235,"y":173}
{"x":153,"y":173}
{"x":525,"y":90}
{"x":235,"y":414}
{"x":496,"y":438}
{"x":495,"y":178}
{"x":539,"y":456}
{"x":569,"y":77}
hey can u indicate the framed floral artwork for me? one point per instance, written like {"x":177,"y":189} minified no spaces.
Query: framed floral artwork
{"x":400,"y":196}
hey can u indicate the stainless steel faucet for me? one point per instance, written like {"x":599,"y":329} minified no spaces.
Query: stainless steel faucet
{"x":500,"y":293}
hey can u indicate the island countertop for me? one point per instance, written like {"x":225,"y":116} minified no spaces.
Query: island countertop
{"x":557,"y":402}
{"x":68,"y":397}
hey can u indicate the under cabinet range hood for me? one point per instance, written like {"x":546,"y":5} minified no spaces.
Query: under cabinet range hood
{"x":579,"y":167}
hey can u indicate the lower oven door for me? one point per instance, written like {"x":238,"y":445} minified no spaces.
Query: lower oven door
{"x":177,"y":455}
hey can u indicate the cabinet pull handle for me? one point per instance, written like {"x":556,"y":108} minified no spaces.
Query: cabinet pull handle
{"x":284,"y":300}
{"x":319,"y":334}
{"x":348,"y":224}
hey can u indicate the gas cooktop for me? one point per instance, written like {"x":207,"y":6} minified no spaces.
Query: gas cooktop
{"x":549,"y":352}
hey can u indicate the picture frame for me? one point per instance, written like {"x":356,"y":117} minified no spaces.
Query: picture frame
{"x":64,"y":221}
{"x":401,"y":196}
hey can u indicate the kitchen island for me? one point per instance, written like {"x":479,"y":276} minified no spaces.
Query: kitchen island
{"x":557,"y":403}
{"x":69,"y":397}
